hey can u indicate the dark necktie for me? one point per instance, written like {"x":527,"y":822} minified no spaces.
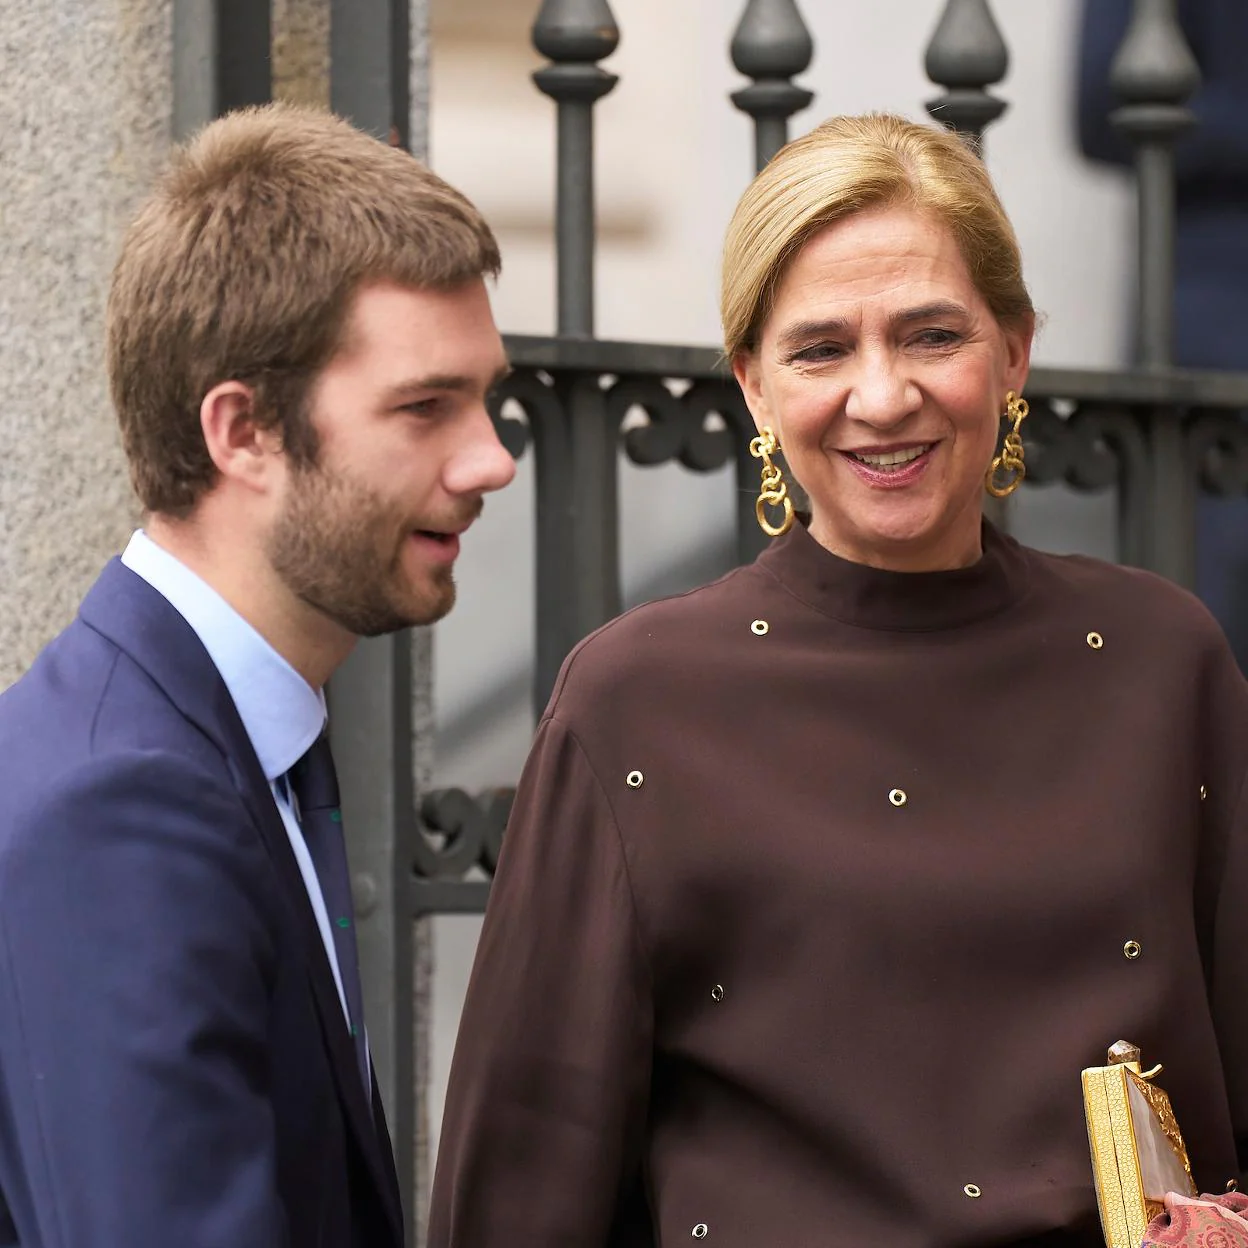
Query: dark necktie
{"x":314,"y":783}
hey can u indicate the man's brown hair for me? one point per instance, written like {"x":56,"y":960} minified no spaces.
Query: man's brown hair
{"x":242,"y":266}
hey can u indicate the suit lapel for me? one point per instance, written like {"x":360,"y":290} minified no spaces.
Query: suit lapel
{"x":138,"y":620}
{"x":382,"y":1130}
{"x":259,"y":800}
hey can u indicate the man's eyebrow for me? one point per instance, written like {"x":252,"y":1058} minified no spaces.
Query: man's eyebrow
{"x":455,"y":383}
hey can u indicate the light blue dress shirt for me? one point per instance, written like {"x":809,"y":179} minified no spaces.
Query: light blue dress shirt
{"x":282,"y":713}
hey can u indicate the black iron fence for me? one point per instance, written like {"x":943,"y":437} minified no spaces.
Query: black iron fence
{"x":1155,"y":436}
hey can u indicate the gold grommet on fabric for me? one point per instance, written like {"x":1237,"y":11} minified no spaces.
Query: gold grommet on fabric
{"x":1095,"y":640}
{"x":634,"y":779}
{"x":897,"y":797}
{"x":1204,"y":792}
{"x":760,"y":628}
{"x":973,"y":1191}
{"x":1132,"y":950}
{"x":699,"y":1231}
{"x":717,"y":993}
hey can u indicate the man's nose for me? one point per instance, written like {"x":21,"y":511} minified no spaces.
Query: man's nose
{"x":480,"y":463}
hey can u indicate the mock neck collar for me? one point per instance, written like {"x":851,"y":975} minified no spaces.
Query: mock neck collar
{"x":876,"y":598}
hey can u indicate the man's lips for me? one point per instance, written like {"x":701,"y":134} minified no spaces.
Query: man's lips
{"x":443,"y":534}
{"x":435,"y":545}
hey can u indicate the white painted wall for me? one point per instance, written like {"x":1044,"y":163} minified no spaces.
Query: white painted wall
{"x":673,"y":158}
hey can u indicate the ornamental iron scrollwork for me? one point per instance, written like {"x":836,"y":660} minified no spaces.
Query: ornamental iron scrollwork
{"x":698,"y":427}
{"x":1218,"y":446}
{"x":1092,"y":447}
{"x":531,"y":391}
{"x":459,"y":832}
{"x":699,"y":423}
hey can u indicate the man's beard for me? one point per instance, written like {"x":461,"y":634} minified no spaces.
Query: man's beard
{"x":339,"y":547}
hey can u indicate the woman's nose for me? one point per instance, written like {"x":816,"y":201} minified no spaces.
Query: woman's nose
{"x":880,"y":395}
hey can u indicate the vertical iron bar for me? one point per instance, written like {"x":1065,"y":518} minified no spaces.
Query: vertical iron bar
{"x":401,"y":51}
{"x":245,"y":61}
{"x":966,"y":55}
{"x":595,"y":506}
{"x":371,"y":733}
{"x":556,"y":631}
{"x":574,"y":220}
{"x":771,"y":45}
{"x":221,"y":60}
{"x":1155,"y":188}
{"x":363,"y":85}
{"x":575,"y":35}
{"x":1153,"y":73}
{"x":194,"y":66}
{"x":371,"y":694}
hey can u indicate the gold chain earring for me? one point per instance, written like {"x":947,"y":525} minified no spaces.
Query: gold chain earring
{"x":1011,"y":457}
{"x":772,"y":492}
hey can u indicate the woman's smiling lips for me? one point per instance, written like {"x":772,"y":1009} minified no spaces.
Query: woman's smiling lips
{"x":891,"y":467}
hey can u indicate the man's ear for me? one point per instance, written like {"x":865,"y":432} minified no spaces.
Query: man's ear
{"x":745,"y":368}
{"x":241,"y":449}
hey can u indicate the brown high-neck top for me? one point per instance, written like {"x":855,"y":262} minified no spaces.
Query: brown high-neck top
{"x":823,"y":884}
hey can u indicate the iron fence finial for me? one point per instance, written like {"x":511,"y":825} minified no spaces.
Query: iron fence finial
{"x":1153,"y":73}
{"x":1154,"y":65}
{"x":966,"y":55}
{"x":771,"y":45}
{"x":575,"y":35}
{"x":575,"y":31}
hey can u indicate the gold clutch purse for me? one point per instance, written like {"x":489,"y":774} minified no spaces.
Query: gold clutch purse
{"x":1137,"y":1151}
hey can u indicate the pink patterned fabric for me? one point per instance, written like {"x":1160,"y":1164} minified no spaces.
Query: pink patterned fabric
{"x":1203,"y":1222}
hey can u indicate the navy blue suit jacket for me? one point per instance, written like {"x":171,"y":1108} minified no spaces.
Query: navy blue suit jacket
{"x":174,"y":1067}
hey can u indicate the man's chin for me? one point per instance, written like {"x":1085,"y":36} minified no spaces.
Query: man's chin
{"x":426,"y":608}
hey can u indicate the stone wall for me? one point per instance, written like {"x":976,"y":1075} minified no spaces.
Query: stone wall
{"x":85,"y":106}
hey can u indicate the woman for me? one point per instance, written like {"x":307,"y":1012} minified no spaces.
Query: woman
{"x":825,"y":881}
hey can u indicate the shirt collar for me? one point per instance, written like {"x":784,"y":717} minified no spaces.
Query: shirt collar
{"x":282,"y":713}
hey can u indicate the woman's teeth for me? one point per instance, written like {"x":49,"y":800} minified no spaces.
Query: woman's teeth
{"x":892,"y":459}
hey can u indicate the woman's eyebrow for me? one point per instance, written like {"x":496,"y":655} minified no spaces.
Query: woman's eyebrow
{"x":938,"y":309}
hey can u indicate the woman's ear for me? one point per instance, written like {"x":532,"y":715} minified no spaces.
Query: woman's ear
{"x":1018,"y":340}
{"x":241,"y":449}
{"x":745,"y":368}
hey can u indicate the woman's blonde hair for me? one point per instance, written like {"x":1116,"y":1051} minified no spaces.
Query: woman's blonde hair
{"x":848,"y":165}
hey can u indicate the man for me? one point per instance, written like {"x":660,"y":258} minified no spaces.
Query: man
{"x":300,"y":347}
